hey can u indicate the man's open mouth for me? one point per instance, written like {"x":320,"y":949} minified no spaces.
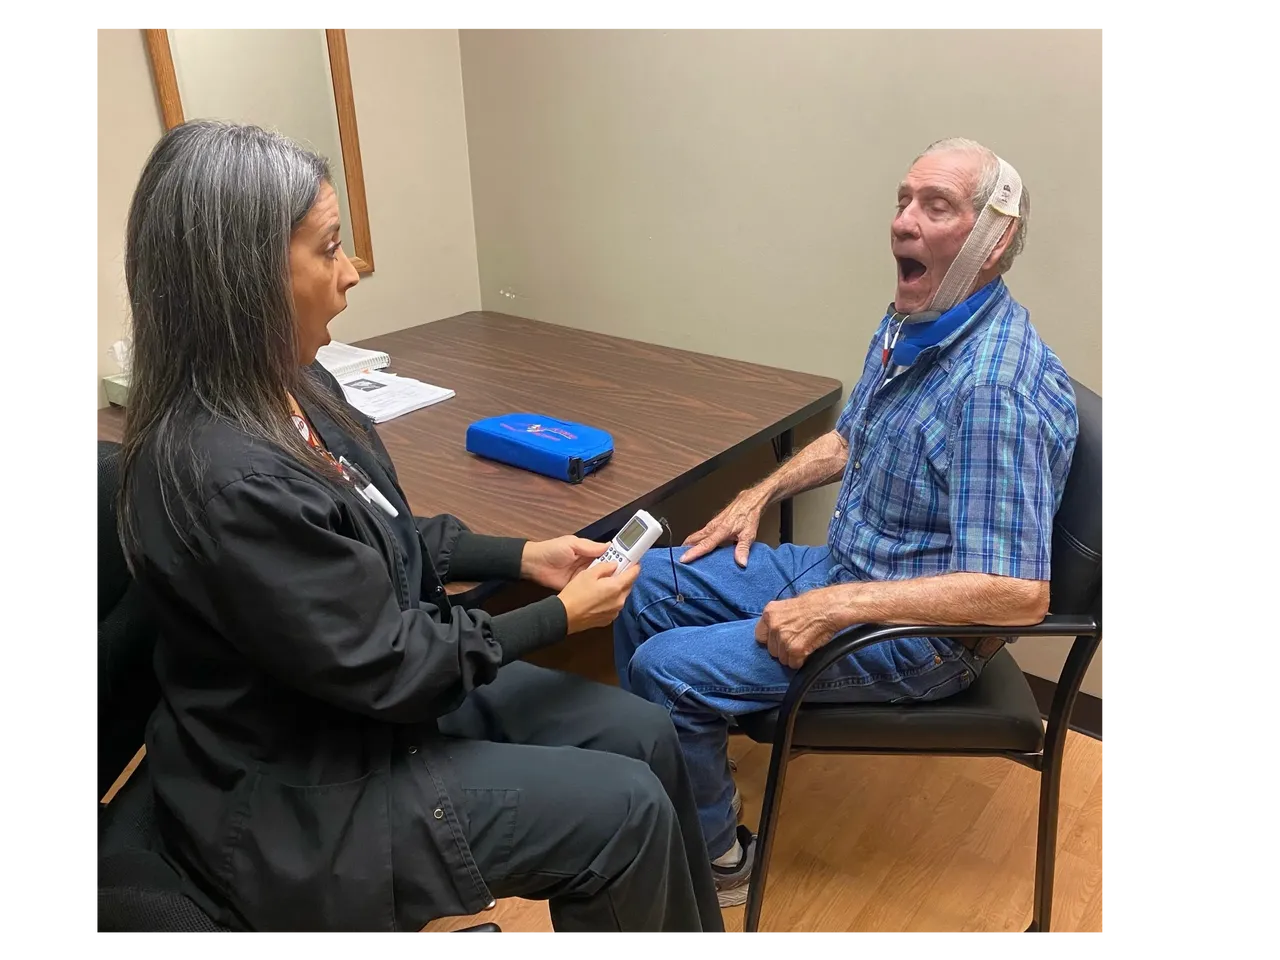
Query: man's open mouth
{"x":909,"y":269}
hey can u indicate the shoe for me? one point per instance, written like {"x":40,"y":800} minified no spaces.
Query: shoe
{"x":732,"y":883}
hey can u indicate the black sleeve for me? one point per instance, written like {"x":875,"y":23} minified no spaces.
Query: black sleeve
{"x":460,"y":554}
{"x":317,"y":609}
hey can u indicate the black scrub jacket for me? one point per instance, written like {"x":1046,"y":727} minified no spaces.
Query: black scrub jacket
{"x":306,"y":650}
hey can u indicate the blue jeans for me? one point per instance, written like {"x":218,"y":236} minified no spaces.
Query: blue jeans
{"x":700,"y":659}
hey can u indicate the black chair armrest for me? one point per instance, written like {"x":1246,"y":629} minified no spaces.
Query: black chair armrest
{"x":864,"y":635}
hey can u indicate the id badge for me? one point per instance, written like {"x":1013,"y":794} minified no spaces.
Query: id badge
{"x":366,"y":488}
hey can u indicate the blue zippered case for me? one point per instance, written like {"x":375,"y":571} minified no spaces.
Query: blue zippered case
{"x":532,"y":441}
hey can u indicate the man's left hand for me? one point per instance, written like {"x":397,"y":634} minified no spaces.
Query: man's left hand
{"x":553,"y":563}
{"x":793,"y":629}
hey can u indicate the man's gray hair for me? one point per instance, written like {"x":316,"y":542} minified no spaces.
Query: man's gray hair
{"x":988,"y":179}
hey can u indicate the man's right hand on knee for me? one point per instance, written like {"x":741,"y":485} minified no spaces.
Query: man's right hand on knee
{"x":738,"y":522}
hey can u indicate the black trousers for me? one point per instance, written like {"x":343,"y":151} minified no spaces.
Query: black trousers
{"x":577,"y":792}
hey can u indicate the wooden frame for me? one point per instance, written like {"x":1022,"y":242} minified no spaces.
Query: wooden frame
{"x":166,"y":80}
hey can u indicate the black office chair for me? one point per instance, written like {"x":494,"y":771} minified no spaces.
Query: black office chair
{"x":137,"y":888}
{"x":996,"y":716}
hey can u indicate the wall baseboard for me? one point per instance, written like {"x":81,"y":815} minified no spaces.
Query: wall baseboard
{"x":1086,"y":715}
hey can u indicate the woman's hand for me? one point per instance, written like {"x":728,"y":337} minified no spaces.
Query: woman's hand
{"x":553,"y":563}
{"x":595,"y":596}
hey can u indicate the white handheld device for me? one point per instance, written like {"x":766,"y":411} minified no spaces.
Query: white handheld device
{"x":631,"y":542}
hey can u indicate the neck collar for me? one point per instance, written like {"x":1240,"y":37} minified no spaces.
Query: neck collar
{"x":929,"y":328}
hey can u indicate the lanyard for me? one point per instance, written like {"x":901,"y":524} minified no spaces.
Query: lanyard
{"x":349,"y":472}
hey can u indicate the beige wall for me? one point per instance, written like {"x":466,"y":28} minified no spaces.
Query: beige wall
{"x":128,"y":126}
{"x":408,"y":92}
{"x":730,"y":192}
{"x":278,"y":79}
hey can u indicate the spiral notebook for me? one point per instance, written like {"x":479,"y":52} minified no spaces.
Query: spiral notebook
{"x":344,"y":360}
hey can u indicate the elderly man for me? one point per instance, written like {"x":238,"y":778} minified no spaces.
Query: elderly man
{"x":953,"y":450}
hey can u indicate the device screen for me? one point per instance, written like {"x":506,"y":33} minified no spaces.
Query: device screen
{"x":631,"y":533}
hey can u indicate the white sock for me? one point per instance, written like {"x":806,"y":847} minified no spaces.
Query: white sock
{"x":730,"y":858}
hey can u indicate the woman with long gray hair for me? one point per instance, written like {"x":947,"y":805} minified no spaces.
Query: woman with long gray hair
{"x":336,"y":747}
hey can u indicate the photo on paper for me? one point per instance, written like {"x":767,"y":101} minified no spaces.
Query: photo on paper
{"x":385,"y":396}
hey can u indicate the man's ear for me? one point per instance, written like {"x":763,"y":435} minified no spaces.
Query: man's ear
{"x":998,"y":250}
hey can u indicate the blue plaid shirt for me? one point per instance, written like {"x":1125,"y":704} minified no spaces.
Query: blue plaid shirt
{"x":959,"y":462}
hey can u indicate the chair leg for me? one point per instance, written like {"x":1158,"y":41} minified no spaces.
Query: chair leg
{"x":1047,"y":837}
{"x":1055,"y":745}
{"x":778,"y":761}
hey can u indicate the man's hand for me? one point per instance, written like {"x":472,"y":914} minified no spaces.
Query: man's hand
{"x":793,"y":629}
{"x":553,"y":563}
{"x":739,"y":521}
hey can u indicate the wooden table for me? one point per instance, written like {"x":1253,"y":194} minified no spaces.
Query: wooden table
{"x":675,"y":416}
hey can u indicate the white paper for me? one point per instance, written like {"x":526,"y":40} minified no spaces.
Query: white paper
{"x":384,"y":396}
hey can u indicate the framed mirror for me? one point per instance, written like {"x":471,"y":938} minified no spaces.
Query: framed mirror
{"x":295,"y":81}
